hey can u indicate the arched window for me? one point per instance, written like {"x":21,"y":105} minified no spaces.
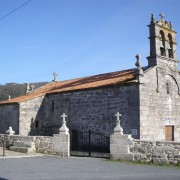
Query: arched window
{"x":170,"y":46}
{"x":162,"y":45}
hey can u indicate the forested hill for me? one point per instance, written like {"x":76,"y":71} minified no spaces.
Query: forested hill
{"x":15,"y":89}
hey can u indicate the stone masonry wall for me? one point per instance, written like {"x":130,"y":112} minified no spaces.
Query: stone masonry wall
{"x":59,"y":144}
{"x":123,"y":147}
{"x":158,"y":152}
{"x":32,"y":114}
{"x":9,"y":116}
{"x":95,"y":109}
{"x":15,"y":138}
{"x":158,"y":108}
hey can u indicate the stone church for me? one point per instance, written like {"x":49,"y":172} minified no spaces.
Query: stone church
{"x":148,"y":98}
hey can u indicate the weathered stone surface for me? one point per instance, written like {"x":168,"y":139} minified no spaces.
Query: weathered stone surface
{"x":122,"y":148}
{"x":58,"y":145}
{"x":156,"y":152}
{"x":9,"y":116}
{"x":121,"y":157}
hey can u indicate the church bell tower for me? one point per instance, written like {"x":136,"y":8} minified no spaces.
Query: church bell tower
{"x":162,"y":43}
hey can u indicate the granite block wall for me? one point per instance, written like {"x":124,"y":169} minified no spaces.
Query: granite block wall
{"x":59,"y":144}
{"x":123,"y":147}
{"x":9,"y":116}
{"x":157,"y":152}
{"x":96,"y":109}
{"x":157,"y":107}
{"x":33,"y":117}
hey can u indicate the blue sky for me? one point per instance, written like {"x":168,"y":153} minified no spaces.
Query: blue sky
{"x":76,"y":38}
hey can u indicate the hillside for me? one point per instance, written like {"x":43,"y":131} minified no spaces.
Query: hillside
{"x":15,"y":89}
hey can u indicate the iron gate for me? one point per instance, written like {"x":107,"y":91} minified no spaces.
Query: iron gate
{"x":89,"y":143}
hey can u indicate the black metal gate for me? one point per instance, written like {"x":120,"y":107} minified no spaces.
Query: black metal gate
{"x":89,"y":143}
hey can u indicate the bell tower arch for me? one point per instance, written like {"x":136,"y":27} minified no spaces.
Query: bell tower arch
{"x":162,"y":43}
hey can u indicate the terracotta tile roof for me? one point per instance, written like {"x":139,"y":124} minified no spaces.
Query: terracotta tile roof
{"x":101,"y":80}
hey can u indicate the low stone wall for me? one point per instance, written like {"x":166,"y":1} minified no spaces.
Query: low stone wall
{"x":43,"y":144}
{"x":59,"y":144}
{"x":123,"y":147}
{"x":159,"y":152}
{"x":56,"y":145}
{"x":15,"y":138}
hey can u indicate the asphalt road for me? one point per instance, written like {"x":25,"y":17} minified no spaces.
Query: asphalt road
{"x":42,"y":168}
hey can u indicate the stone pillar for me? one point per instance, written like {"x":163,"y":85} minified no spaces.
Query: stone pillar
{"x":120,"y":143}
{"x":61,"y":141}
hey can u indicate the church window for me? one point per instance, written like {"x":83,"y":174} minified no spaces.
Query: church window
{"x":167,"y":88}
{"x":170,"y":46}
{"x":162,"y":45}
{"x":52,"y":106}
{"x":36,"y":124}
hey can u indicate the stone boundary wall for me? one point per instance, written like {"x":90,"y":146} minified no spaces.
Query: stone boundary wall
{"x":157,"y":152}
{"x":125,"y":148}
{"x":15,"y":138}
{"x":122,"y":147}
{"x":59,"y":144}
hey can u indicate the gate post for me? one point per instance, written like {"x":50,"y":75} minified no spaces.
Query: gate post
{"x":61,"y":141}
{"x":120,"y":143}
{"x":89,"y":143}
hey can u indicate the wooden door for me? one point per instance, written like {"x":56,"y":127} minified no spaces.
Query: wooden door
{"x":169,"y":133}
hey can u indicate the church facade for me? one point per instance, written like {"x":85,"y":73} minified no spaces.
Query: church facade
{"x":148,"y":98}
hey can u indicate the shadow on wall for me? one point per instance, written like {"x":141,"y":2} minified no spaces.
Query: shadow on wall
{"x":40,"y":121}
{"x":3,"y":178}
{"x":86,"y":110}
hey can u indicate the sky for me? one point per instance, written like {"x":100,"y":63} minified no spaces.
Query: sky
{"x":76,"y":38}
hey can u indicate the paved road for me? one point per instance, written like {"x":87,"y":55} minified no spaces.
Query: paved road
{"x":42,"y":168}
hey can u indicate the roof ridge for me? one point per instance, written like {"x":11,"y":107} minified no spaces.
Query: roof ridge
{"x":82,"y":83}
{"x":97,"y":75}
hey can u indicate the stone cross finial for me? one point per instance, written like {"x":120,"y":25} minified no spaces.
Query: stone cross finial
{"x":170,"y":24}
{"x":152,"y":18}
{"x":64,"y":117}
{"x":27,"y":88}
{"x":55,"y":76}
{"x":118,"y":128}
{"x":138,"y":61}
{"x":10,"y":131}
{"x":162,"y":16}
{"x":64,"y":128}
{"x":139,"y":71}
{"x":118,"y":115}
{"x":32,"y":87}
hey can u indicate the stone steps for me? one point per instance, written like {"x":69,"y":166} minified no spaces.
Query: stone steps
{"x":22,"y":144}
{"x":23,"y":147}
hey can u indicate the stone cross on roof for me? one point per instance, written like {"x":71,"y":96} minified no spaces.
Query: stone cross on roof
{"x":55,"y":76}
{"x":162,"y":16}
{"x":32,"y":87}
{"x":27,"y":88}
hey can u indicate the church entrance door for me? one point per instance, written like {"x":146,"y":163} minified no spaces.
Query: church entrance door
{"x":169,"y":133}
{"x":89,"y":143}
